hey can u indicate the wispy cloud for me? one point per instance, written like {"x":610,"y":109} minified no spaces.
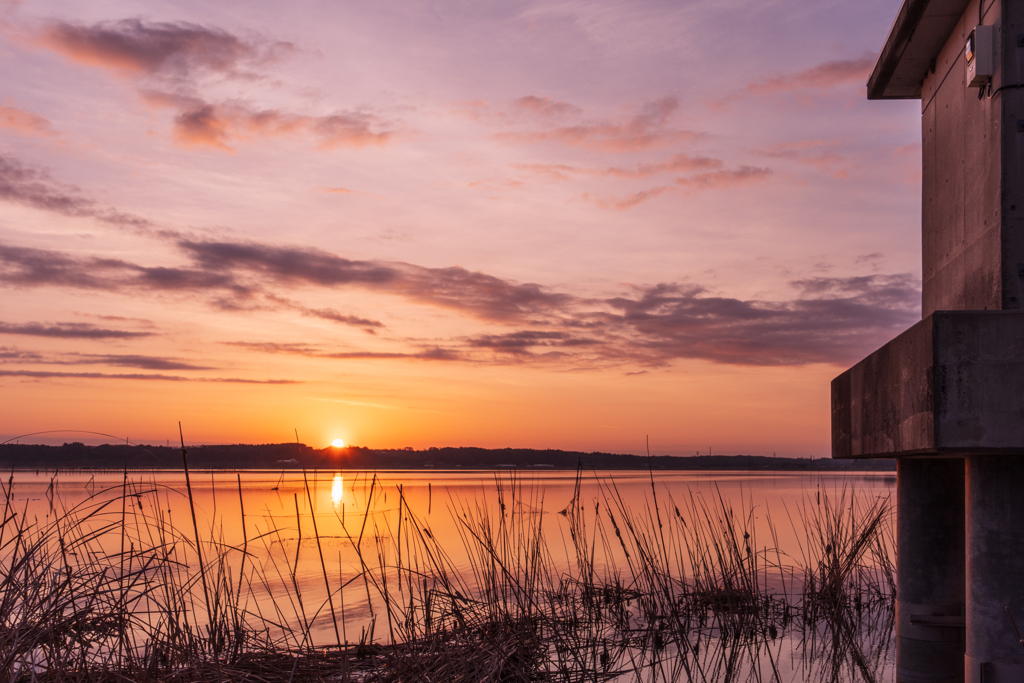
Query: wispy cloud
{"x":170,"y":63}
{"x":25,"y":122}
{"x":369,"y":325}
{"x":44,"y":374}
{"x":35,"y":187}
{"x":546,"y":108}
{"x":744,"y":175}
{"x":528,"y":341}
{"x":143,"y":362}
{"x":648,"y":129}
{"x":171,"y":49}
{"x":626,"y":202}
{"x":701,"y":173}
{"x":313,"y":351}
{"x":200,"y":124}
{"x":68,"y":331}
{"x":473,"y":293}
{"x":832,"y":320}
{"x":823,"y":155}
{"x":135,"y":361}
{"x":677,"y":163}
{"x":825,"y":75}
{"x":824,"y":80}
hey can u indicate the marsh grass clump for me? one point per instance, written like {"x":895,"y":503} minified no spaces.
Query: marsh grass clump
{"x":677,"y":590}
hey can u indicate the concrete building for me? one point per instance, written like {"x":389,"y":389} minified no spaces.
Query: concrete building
{"x":946,"y":397}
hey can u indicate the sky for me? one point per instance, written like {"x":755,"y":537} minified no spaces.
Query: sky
{"x":553,"y":224}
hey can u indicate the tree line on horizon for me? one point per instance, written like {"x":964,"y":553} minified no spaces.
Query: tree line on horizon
{"x":299,"y":456}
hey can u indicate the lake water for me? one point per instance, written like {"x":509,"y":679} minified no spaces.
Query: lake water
{"x":355,"y":531}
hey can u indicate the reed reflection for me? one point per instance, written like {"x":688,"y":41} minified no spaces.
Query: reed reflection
{"x":684,"y":579}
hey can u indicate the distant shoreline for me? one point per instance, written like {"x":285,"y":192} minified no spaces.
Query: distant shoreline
{"x":297,"y":456}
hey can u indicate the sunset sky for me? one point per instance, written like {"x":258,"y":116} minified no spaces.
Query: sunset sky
{"x":557,"y":224}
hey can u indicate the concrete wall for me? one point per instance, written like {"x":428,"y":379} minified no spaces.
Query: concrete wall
{"x":979,"y":381}
{"x":952,"y":384}
{"x":885,"y":403}
{"x":1011,"y":64}
{"x":963,"y":264}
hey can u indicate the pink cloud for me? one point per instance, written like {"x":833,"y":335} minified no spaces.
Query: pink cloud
{"x":171,"y":49}
{"x":177,"y":53}
{"x":646,"y":130}
{"x":201,"y":124}
{"x":546,"y":107}
{"x":819,"y":154}
{"x":826,"y":75}
{"x":556,"y":172}
{"x":627,"y":202}
{"x":744,"y":175}
{"x":677,"y":163}
{"x":201,"y":127}
{"x":25,"y":122}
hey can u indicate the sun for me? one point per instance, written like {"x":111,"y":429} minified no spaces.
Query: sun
{"x":338,"y":443}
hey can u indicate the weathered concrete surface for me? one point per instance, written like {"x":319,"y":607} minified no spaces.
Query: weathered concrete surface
{"x":995,"y":569}
{"x":972,"y":240}
{"x":951,"y":384}
{"x":930,"y":567}
{"x":885,"y":404}
{"x":1011,"y":65}
{"x":964,"y":261}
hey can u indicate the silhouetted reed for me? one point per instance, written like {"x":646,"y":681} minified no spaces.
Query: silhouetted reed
{"x":678,"y":590}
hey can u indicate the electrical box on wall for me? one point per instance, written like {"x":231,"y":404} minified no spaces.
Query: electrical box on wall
{"x":980,"y":54}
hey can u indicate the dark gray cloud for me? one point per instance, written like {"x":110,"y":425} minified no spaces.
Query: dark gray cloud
{"x":26,"y":266}
{"x":136,"y":361}
{"x":242,"y":270}
{"x":831,"y":320}
{"x":45,"y":374}
{"x":13,"y":354}
{"x":314,"y":351}
{"x":335,"y":316}
{"x":35,"y":188}
{"x":474,"y":293}
{"x":68,"y":331}
{"x":835,"y":320}
{"x":527,"y":341}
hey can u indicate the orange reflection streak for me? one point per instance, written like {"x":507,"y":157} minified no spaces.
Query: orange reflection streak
{"x":337,"y":490}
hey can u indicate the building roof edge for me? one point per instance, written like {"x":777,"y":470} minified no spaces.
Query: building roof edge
{"x":920,"y":30}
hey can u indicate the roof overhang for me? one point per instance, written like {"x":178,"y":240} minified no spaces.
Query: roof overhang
{"x":919,"y":32}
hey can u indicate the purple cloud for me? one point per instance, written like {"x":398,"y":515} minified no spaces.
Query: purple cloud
{"x":68,"y":331}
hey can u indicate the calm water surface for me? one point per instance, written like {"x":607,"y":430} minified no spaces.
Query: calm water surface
{"x":298,"y":527}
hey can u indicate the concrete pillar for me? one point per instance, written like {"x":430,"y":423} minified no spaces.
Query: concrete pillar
{"x":995,"y":568}
{"x":930,"y":566}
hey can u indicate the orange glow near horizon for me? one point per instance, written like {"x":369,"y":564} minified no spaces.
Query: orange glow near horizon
{"x":275,"y":226}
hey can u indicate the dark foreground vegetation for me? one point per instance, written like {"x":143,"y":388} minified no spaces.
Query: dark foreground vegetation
{"x":680,"y":590}
{"x":298,"y":456}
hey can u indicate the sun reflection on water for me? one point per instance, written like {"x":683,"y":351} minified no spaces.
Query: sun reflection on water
{"x":336,"y":490}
